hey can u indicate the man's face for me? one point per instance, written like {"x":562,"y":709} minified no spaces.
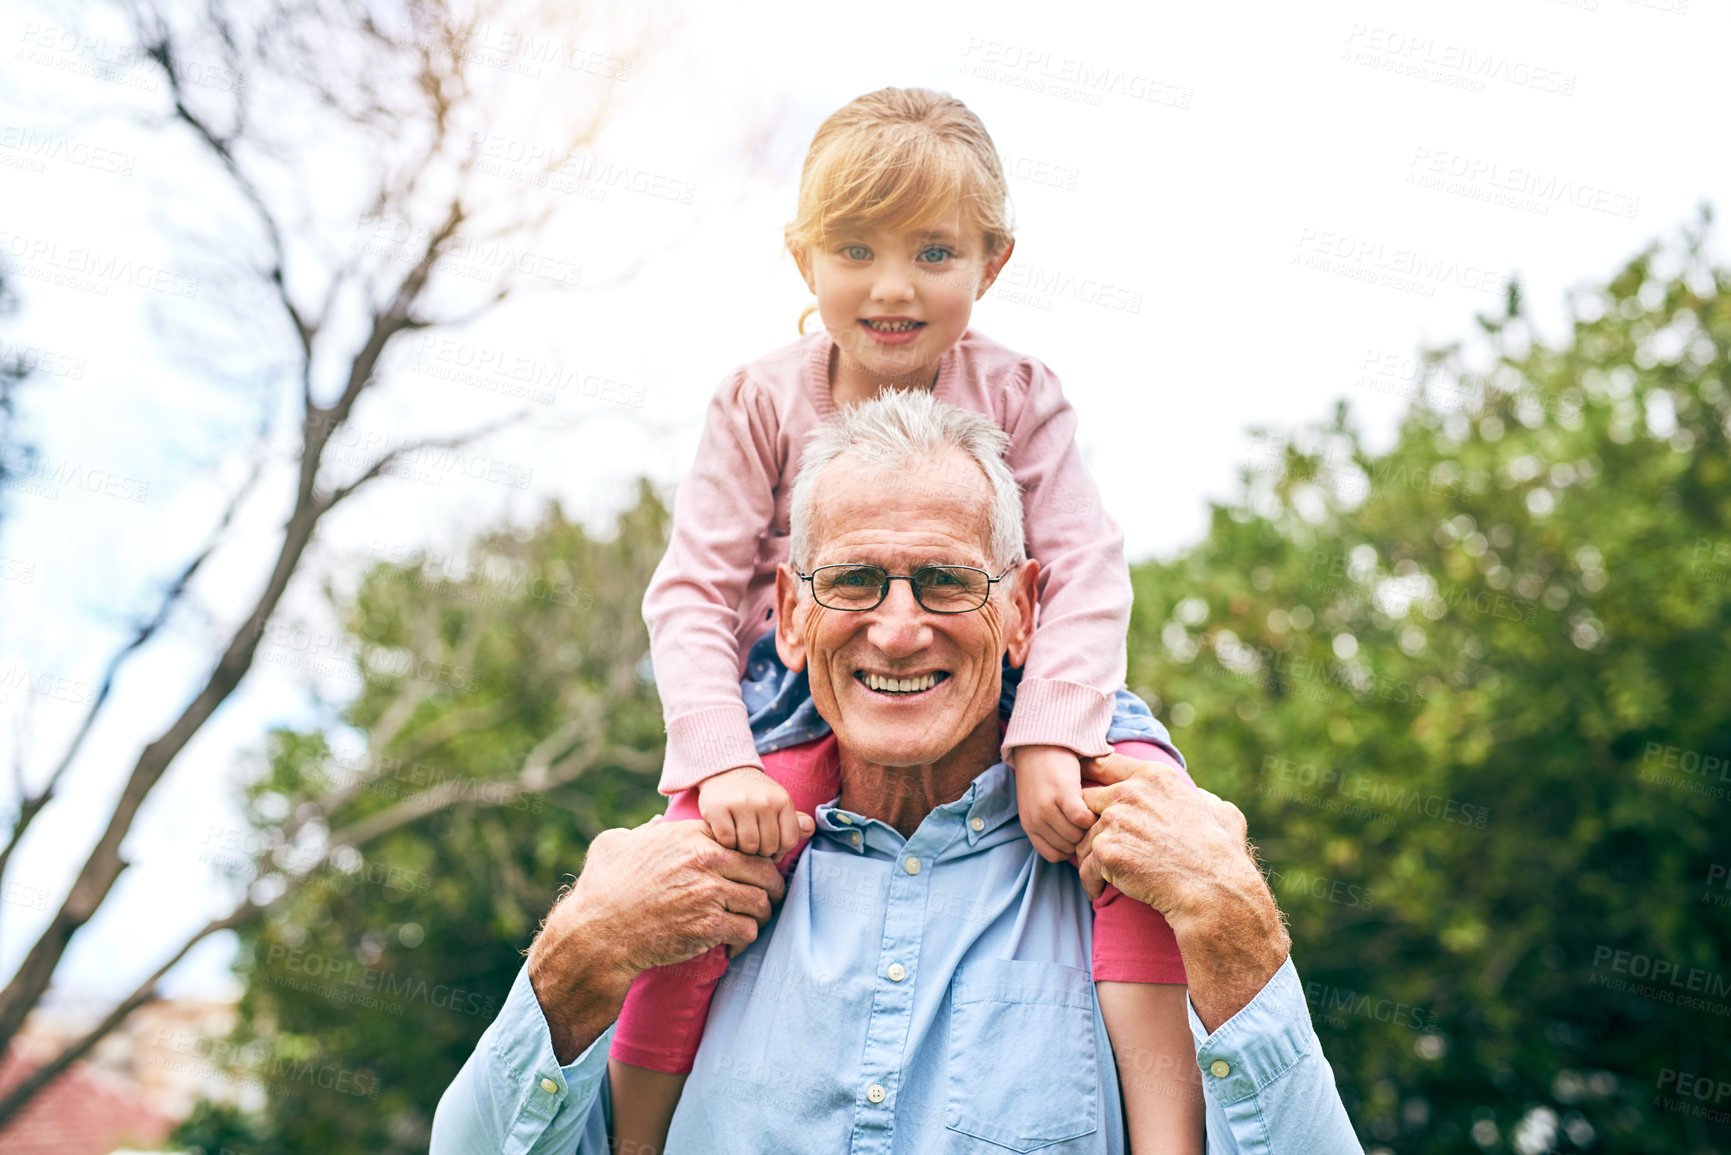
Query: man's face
{"x":903,"y":521}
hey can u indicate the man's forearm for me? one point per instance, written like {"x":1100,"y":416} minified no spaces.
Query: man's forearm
{"x":1231,"y":948}
{"x":580,"y":982}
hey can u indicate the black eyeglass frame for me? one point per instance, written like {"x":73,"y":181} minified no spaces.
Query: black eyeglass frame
{"x":884,"y":590}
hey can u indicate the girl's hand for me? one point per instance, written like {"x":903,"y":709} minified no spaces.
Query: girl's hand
{"x":749,"y":811}
{"x":1049,"y":799}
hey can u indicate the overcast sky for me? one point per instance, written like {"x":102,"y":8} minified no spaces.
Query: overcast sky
{"x":1227,"y":217}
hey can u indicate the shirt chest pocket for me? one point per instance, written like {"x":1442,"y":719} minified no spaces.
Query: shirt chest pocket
{"x":1023,"y":1065}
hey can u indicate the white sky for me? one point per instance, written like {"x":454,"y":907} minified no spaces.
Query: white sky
{"x":1278,"y":136}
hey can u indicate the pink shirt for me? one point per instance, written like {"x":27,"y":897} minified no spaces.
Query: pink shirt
{"x":713,"y":594}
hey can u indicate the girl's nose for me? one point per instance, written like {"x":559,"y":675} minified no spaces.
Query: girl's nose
{"x":893,"y":283}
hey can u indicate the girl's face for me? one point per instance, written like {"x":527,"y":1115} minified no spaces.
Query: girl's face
{"x":895,"y":302}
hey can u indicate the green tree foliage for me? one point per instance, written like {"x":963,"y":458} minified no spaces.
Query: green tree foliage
{"x":1471,"y":693}
{"x":368,"y":986}
{"x":1474,"y":695}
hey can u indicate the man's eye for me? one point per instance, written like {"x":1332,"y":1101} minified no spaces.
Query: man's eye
{"x":859,"y":579}
{"x":934,"y":578}
{"x":935,"y":254}
{"x":856,"y":252}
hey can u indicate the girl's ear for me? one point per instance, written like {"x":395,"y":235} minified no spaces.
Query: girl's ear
{"x":802,"y":258}
{"x":994,"y":267}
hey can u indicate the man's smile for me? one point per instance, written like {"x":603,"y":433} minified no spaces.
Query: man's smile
{"x":909,"y":685}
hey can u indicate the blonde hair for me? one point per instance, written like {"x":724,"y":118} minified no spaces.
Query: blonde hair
{"x":901,"y":159}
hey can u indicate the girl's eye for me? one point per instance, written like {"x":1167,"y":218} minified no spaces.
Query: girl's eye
{"x":856,"y":252}
{"x":934,"y":254}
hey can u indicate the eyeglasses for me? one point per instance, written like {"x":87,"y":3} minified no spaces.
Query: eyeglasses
{"x":940,"y":589}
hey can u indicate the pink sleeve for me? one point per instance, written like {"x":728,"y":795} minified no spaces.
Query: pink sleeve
{"x":692,"y":605}
{"x":1078,"y":659}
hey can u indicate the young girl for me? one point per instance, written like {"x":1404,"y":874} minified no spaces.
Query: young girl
{"x":902,"y":226}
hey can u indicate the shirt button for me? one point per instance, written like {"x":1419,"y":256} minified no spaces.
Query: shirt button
{"x":549,"y":1086}
{"x":875,"y":1093}
{"x":1220,"y":1068}
{"x":897,"y":972}
{"x":913,"y":865}
{"x":844,"y":820}
{"x":977,"y":823}
{"x":856,"y":838}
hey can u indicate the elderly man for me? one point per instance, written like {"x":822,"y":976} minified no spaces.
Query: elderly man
{"x":925,"y":986}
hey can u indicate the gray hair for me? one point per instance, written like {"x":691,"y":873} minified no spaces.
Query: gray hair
{"x":904,"y":430}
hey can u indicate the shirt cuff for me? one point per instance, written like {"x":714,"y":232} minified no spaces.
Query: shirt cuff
{"x":535,"y":1087}
{"x":1257,"y":1045}
{"x":704,"y":743}
{"x":1053,"y":713}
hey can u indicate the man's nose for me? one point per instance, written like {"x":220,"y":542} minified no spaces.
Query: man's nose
{"x":900,"y":625}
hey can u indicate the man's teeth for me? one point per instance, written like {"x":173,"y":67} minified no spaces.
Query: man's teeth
{"x":893,"y":326}
{"x":901,"y":685}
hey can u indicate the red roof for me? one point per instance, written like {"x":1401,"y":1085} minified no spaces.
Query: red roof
{"x":83,"y":1112}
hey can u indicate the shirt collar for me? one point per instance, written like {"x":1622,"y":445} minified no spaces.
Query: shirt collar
{"x":987,"y":803}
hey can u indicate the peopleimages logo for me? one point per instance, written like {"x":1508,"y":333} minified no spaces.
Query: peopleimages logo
{"x":1526,"y":187}
{"x":403,"y":988}
{"x":1377,"y":261}
{"x":1662,"y":980}
{"x":1332,"y":1005}
{"x":1387,"y":795}
{"x":254,"y":1063}
{"x":90,"y":270}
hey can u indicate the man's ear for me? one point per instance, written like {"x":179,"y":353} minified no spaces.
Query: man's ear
{"x":802,"y":258}
{"x":1024,"y":583}
{"x":994,"y":267}
{"x":789,"y":644}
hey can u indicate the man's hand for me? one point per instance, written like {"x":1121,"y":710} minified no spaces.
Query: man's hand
{"x":1159,"y":839}
{"x":750,"y":811}
{"x":1185,"y":853}
{"x":660,"y":893}
{"x":1049,"y":799}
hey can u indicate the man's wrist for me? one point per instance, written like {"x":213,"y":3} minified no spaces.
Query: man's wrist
{"x":1231,"y":948}
{"x":579,"y":978}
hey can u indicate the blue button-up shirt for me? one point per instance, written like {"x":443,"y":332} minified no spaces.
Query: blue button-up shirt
{"x":910,"y":996}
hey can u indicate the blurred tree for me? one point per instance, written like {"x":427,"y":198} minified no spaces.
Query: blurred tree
{"x":1472,"y":694}
{"x":14,"y":368}
{"x":523,"y":726}
{"x":273,"y":103}
{"x":17,"y":455}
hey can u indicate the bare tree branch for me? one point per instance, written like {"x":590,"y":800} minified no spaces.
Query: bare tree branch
{"x":160,"y":50}
{"x":145,"y":992}
{"x":455,"y":724}
{"x":414,"y":104}
{"x":540,"y":771}
{"x":455,"y":441}
{"x":535,"y":777}
{"x":104,"y":864}
{"x":32,"y":804}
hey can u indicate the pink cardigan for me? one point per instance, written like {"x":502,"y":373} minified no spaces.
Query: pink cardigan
{"x":713,"y":594}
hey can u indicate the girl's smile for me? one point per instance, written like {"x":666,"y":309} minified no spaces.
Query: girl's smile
{"x":895,"y":300}
{"x":892,"y":330}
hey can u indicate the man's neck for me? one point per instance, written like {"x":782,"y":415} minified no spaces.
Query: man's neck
{"x":902,"y":796}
